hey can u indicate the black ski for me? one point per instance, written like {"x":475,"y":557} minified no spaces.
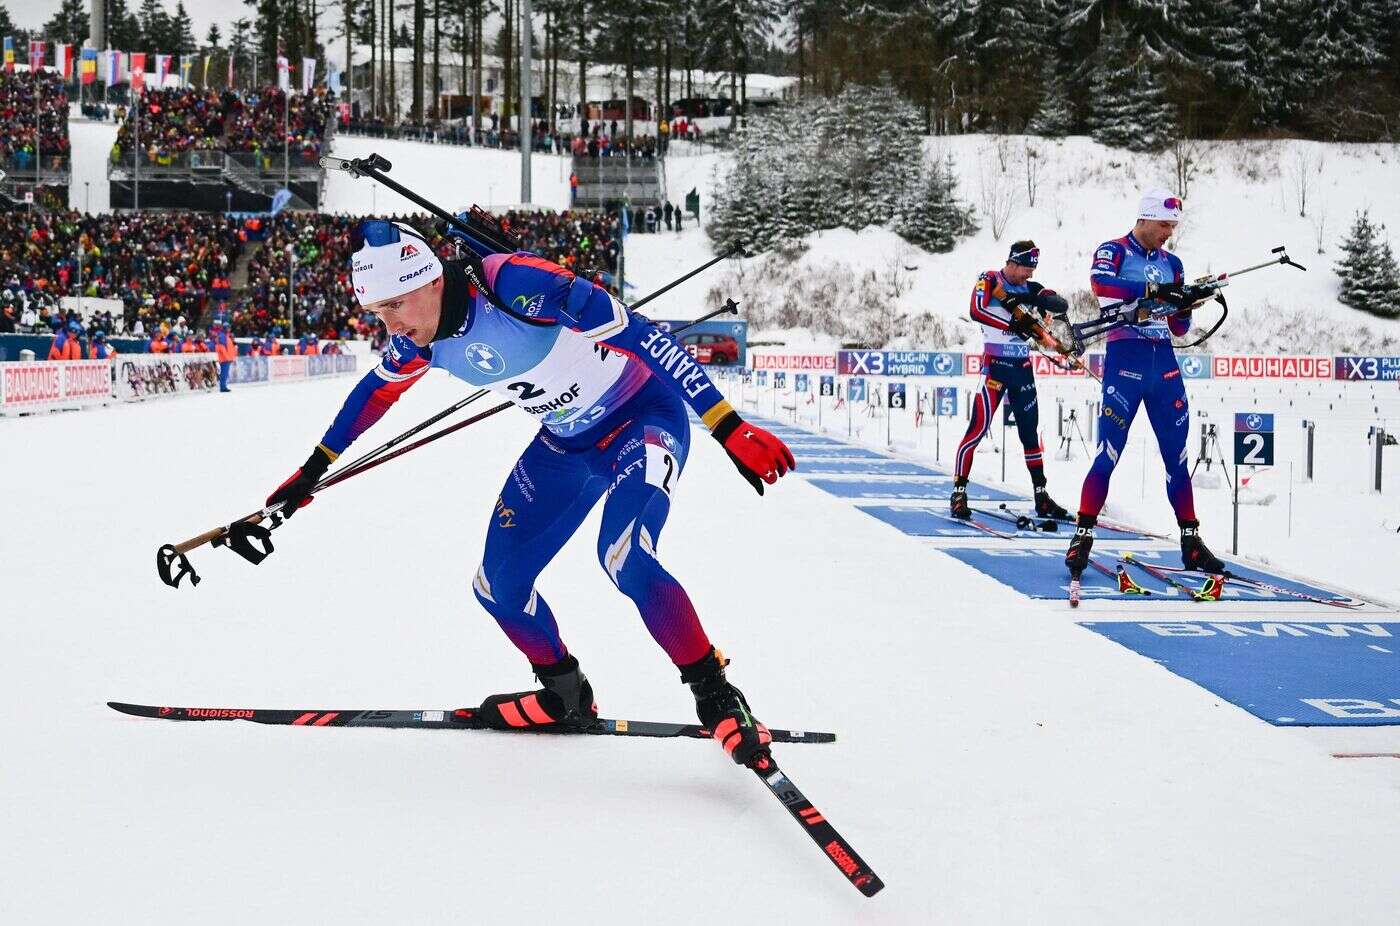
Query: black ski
{"x":833,"y":845}
{"x":460,"y":719}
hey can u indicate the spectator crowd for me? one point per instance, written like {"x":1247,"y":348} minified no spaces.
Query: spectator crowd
{"x":180,"y":119}
{"x":160,"y":265}
{"x":173,"y":121}
{"x":171,"y":272}
{"x":27,"y":117}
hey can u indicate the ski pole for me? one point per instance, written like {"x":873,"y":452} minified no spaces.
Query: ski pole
{"x":239,"y":536}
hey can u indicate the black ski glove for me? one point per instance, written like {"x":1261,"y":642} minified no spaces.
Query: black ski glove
{"x":1047,"y":300}
{"x":1022,"y":324}
{"x":296,"y":491}
{"x":1181,"y":295}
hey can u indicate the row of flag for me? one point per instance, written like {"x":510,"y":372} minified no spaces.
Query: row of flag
{"x":120,"y":67}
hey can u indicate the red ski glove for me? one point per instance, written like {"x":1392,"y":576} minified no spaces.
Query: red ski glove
{"x":296,"y":491}
{"x":760,"y":456}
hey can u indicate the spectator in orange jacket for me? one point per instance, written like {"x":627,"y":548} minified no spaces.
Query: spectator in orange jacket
{"x":99,"y":349}
{"x":65,"y":344}
{"x":158,"y":345}
{"x":225,"y":349}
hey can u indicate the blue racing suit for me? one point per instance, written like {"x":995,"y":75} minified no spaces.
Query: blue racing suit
{"x":609,"y":390}
{"x":1140,"y":369}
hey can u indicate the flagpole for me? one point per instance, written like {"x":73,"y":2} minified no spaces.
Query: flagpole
{"x":136,"y":149}
{"x":38,"y":127}
{"x":286,"y":129}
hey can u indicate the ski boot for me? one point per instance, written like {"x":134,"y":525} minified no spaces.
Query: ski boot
{"x":1194,"y":552}
{"x":565,"y":700}
{"x":1077,"y":556}
{"x":957,"y":502}
{"x":721,"y":707}
{"x":1047,"y":507}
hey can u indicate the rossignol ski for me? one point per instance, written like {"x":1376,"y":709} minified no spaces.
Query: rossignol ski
{"x":833,"y":845}
{"x":460,"y":719}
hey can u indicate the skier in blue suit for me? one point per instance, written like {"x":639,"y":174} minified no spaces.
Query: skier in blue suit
{"x":610,"y":391}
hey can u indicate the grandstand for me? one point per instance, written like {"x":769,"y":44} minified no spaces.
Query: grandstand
{"x":221,"y":151}
{"x":34,"y":146}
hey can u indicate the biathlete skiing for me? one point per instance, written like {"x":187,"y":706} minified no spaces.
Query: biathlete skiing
{"x":610,"y":391}
{"x":1132,"y":276}
{"x":1003,"y":302}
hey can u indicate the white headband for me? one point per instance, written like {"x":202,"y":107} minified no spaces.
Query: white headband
{"x":1160,"y":205}
{"x":390,"y":270}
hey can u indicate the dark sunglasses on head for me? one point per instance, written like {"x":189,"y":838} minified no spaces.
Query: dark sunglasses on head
{"x":378,"y":232}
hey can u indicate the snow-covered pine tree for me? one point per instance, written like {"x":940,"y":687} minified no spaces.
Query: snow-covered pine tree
{"x":1054,"y":118}
{"x":819,"y":163}
{"x":1360,"y":266}
{"x":1385,"y":300}
{"x":933,"y":218}
{"x":1340,"y":56}
{"x":1128,"y":106}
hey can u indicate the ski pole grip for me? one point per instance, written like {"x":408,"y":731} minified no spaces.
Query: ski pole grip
{"x":210,"y":536}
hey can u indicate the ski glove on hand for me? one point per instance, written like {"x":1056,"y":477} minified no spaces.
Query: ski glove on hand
{"x":1047,"y":300}
{"x":1181,"y":295}
{"x":296,"y":491}
{"x":760,"y":456}
{"x":1022,"y":324}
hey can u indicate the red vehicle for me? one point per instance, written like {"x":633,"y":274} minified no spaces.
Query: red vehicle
{"x":712,"y":348}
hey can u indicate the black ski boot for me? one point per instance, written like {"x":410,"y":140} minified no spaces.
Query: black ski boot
{"x":565,"y":700}
{"x":1194,"y":552}
{"x":957,"y":502}
{"x":721,"y":707}
{"x":1077,"y":556}
{"x":1047,"y":507}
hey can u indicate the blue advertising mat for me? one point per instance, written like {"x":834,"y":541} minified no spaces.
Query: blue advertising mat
{"x":932,"y":487}
{"x":881,"y":467}
{"x":1041,"y":573}
{"x":1312,"y":673}
{"x":807,"y":452}
{"x":935,"y":521}
{"x":809,"y":441}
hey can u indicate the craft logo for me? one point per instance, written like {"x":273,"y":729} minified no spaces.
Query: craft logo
{"x":407,"y":251}
{"x":485,"y":358}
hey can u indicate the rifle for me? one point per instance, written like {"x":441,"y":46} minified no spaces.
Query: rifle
{"x":1111,"y":316}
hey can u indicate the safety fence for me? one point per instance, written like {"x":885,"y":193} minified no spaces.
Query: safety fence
{"x":40,"y":386}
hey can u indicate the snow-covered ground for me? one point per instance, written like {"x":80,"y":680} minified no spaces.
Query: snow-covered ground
{"x":92,"y":148}
{"x":996,"y":763}
{"x":1242,"y":202}
{"x":452,"y":176}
